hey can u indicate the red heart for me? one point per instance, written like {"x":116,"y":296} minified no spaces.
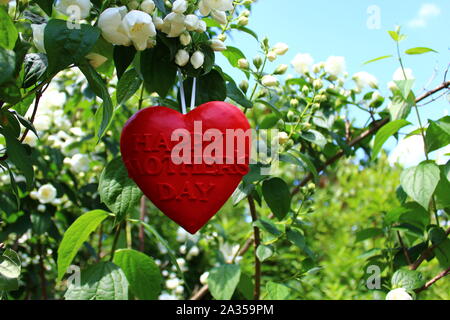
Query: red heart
{"x":189,"y":194}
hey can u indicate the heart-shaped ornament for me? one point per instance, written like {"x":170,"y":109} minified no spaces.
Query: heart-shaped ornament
{"x":187,"y":165}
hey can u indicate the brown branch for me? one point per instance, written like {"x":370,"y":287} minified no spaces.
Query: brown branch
{"x":200,"y":293}
{"x":256,"y":242}
{"x":42,"y":271}
{"x":141,"y":226}
{"x":425,"y":254}
{"x":430,"y":283}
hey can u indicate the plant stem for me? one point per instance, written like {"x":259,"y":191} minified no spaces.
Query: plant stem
{"x":405,"y":251}
{"x":432,"y":281}
{"x":141,"y":227}
{"x":257,"y":240}
{"x":42,"y":271}
{"x":116,"y":238}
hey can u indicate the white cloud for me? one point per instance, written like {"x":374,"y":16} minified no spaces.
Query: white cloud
{"x":426,"y":12}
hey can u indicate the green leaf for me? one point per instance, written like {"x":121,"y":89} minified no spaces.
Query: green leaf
{"x":270,"y":106}
{"x":117,"y":190}
{"x":123,"y":56}
{"x":308,"y":164}
{"x":223,"y":280}
{"x":400,"y":108}
{"x":34,"y":68}
{"x":158,"y":70}
{"x":66,"y":46}
{"x":277,"y":196}
{"x":241,"y":192}
{"x":407,"y":279}
{"x":18,"y":154}
{"x":142,"y":273}
{"x":378,"y":59}
{"x":438,"y":134}
{"x":420,"y":182}
{"x":8,"y":32}
{"x":127,"y":86}
{"x":210,"y":87}
{"x":368,"y":233}
{"x":442,"y":253}
{"x":246,"y":30}
{"x":405,"y":87}
{"x":269,"y":121}
{"x":233,"y":55}
{"x":102,"y":281}
{"x":315,"y":137}
{"x":296,"y":238}
{"x":236,"y":94}
{"x":7,"y":64}
{"x":419,"y":50}
{"x":104,"y":114}
{"x":10,"y":268}
{"x":277,"y":291}
{"x":74,"y":237}
{"x":246,"y":286}
{"x":41,"y":222}
{"x":385,"y":132}
{"x":268,"y":226}
{"x":264,"y":252}
{"x":46,"y":5}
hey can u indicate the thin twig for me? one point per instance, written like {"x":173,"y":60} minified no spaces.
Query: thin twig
{"x":430,"y":283}
{"x":42,"y":271}
{"x":256,"y":242}
{"x":425,"y":254}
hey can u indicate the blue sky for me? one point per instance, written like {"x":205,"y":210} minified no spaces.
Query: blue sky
{"x":324,"y":27}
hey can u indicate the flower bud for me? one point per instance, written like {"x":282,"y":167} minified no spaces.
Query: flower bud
{"x":305,"y":90}
{"x":280,"y":48}
{"x":182,"y":58}
{"x":269,"y":81}
{"x":197,"y":59}
{"x":283,"y":137}
{"x":185,"y":38}
{"x":317,"y":84}
{"x":179,"y":6}
{"x":271,"y":56}
{"x":243,"y":63}
{"x":191,"y":22}
{"x":133,"y":5}
{"x":243,"y":86}
{"x":242,"y":21}
{"x":148,"y":6}
{"x":282,"y":68}
{"x":294,"y":103}
{"x":222,"y":37}
{"x":261,"y":93}
{"x":257,"y":62}
{"x":246,"y":13}
{"x":217,"y":45}
{"x":219,"y":16}
{"x":201,"y":26}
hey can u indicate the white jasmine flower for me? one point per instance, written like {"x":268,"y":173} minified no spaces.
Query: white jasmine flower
{"x":398,"y":294}
{"x":162,"y":249}
{"x":139,"y":27}
{"x":110,"y":22}
{"x":179,"y":290}
{"x":65,"y":7}
{"x":408,"y":152}
{"x":38,"y":36}
{"x":242,"y":21}
{"x":193,"y":252}
{"x":229,"y":251}
{"x":165,"y":273}
{"x":219,"y":16}
{"x":148,"y":6}
{"x":201,"y":26}
{"x":46,"y":193}
{"x":174,"y":25}
{"x":197,"y":59}
{"x":166,"y":296}
{"x":182,"y":249}
{"x":302,"y":63}
{"x":191,"y":22}
{"x":78,"y":163}
{"x":269,"y":81}
{"x":42,"y":123}
{"x":280,"y":48}
{"x":172,"y":283}
{"x":182,"y":57}
{"x":30,"y":139}
{"x":217,"y":45}
{"x":158,"y":22}
{"x":204,"y":278}
{"x":364,"y":79}
{"x":335,"y":66}
{"x":399,"y":75}
{"x":206,"y":6}
{"x":179,"y":6}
